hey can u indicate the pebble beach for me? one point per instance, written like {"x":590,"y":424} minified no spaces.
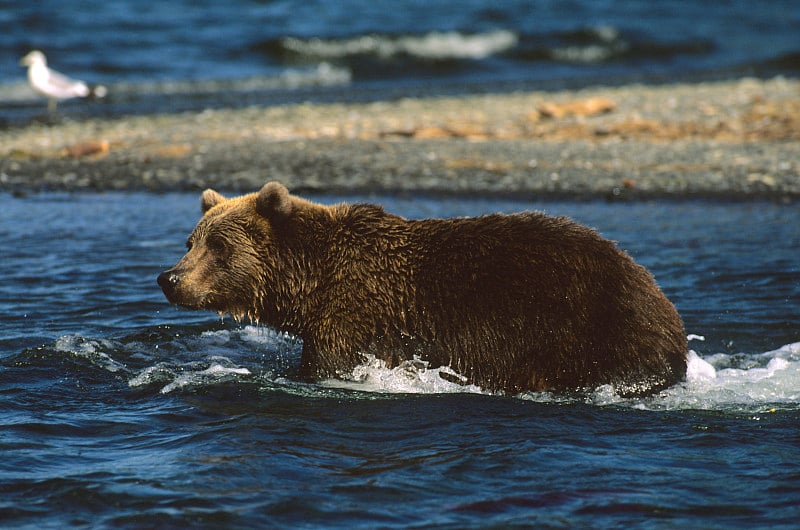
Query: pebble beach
{"x":734,"y":139}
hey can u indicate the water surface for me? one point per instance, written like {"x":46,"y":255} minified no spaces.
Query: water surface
{"x":122,"y":411}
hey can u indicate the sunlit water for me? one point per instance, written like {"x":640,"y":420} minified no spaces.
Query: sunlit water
{"x":122,"y":411}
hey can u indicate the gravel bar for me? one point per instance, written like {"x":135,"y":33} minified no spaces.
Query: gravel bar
{"x":736,"y":139}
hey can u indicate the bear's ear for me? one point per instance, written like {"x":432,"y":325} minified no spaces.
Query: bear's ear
{"x":274,"y":202}
{"x":209,"y":199}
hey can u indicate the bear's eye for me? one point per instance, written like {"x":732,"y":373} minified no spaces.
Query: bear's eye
{"x":215,"y":244}
{"x":189,"y":244}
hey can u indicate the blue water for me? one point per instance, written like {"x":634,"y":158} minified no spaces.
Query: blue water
{"x":122,"y":411}
{"x":186,"y":55}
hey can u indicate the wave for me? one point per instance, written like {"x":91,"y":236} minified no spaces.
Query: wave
{"x":263,"y":359}
{"x":602,"y":44}
{"x":90,"y":350}
{"x":214,"y":371}
{"x":588,"y":45}
{"x":429,"y":46}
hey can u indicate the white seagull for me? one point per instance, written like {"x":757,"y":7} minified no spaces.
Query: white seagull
{"x":54,"y":85}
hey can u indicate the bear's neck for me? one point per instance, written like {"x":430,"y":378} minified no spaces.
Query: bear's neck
{"x":354,"y":270}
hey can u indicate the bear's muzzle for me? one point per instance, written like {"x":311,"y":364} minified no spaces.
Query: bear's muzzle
{"x":168,"y":281}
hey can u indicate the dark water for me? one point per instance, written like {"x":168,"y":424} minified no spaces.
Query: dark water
{"x":122,"y":411}
{"x":184,"y":54}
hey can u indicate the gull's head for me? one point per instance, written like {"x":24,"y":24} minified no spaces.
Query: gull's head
{"x":34,"y":57}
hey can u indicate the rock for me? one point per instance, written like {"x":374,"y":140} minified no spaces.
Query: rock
{"x":580,"y":107}
{"x":95,"y":148}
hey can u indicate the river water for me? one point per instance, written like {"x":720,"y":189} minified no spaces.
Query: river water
{"x":122,"y":411}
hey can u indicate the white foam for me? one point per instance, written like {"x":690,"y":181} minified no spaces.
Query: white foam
{"x":264,"y":335}
{"x":215,"y":371}
{"x":90,"y":350}
{"x":213,"y":375}
{"x":711,"y":383}
{"x":714,"y":382}
{"x":159,"y":373}
{"x":718,"y":381}
{"x":410,"y":377}
{"x":324,"y":74}
{"x":698,"y":369}
{"x":434,"y":45}
{"x":609,"y":45}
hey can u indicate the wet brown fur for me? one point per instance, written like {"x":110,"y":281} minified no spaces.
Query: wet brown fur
{"x":513,"y":302}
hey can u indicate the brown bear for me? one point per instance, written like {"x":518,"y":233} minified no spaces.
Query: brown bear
{"x":512,"y":303}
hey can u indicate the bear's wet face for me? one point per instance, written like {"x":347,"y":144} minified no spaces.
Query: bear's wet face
{"x":217,"y":272}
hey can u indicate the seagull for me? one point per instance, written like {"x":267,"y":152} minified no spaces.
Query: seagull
{"x":54,"y":85}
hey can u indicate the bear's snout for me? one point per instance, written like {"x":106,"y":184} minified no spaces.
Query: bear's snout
{"x":168,"y":281}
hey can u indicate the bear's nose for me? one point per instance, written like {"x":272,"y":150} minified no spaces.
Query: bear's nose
{"x":168,"y":280}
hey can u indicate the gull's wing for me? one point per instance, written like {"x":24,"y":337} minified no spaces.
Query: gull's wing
{"x":62,"y":86}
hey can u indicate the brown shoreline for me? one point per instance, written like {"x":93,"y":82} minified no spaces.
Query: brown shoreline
{"x":733,"y":139}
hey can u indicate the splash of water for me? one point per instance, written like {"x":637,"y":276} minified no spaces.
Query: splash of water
{"x":91,"y":351}
{"x":732,"y":382}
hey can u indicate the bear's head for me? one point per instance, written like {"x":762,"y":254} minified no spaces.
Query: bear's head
{"x":241,"y":258}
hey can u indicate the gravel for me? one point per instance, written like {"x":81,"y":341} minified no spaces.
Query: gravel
{"x":732,"y":140}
